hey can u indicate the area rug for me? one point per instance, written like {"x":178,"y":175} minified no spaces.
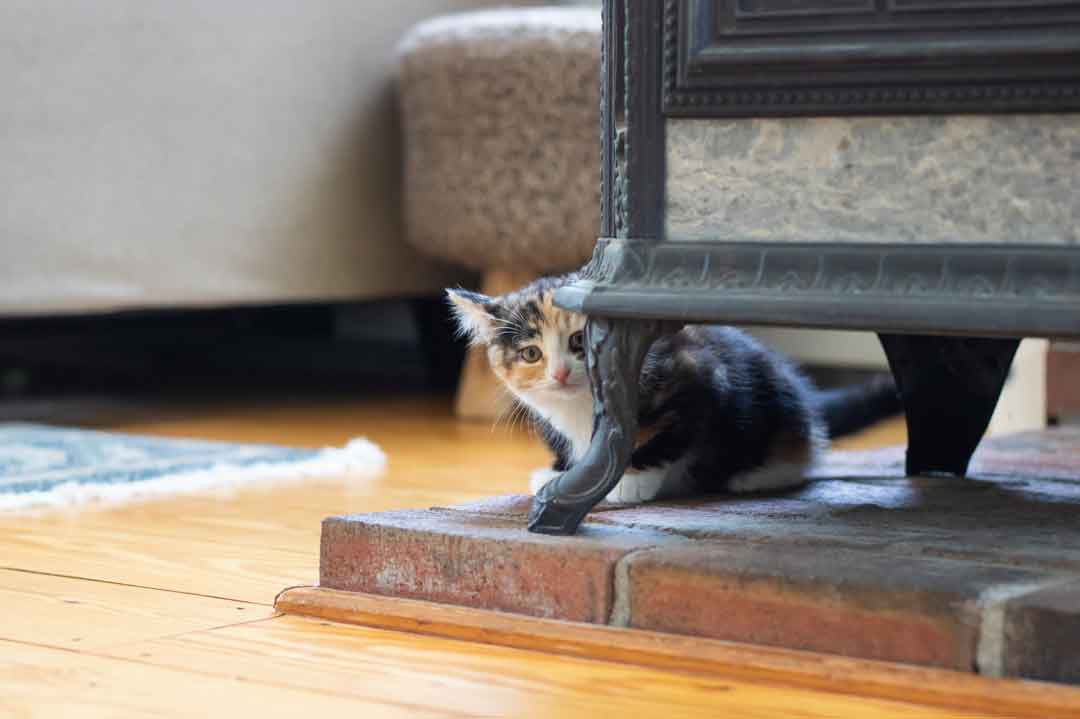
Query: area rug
{"x":43,"y":466}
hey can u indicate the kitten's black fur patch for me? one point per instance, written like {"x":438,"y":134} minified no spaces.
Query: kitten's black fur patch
{"x":716,"y":397}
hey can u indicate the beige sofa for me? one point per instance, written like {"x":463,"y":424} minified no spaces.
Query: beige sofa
{"x":160,"y":154}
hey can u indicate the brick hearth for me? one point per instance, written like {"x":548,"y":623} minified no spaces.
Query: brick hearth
{"x":981,"y":574}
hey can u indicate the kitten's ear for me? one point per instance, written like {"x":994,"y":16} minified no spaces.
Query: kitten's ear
{"x":475,"y":314}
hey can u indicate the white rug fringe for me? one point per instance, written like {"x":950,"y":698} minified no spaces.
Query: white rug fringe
{"x":358,"y":459}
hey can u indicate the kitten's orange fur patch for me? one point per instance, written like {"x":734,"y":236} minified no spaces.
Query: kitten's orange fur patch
{"x":525,"y":375}
{"x":521,"y":375}
{"x":645,"y":434}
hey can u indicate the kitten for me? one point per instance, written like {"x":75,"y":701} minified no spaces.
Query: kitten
{"x":718,"y":411}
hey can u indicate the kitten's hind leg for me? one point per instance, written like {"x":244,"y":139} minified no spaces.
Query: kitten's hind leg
{"x":789,"y":460}
{"x":770,"y":478}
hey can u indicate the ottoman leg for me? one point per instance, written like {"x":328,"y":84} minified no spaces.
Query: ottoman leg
{"x":480,"y":395}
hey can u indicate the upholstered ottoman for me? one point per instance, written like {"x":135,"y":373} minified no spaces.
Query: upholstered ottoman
{"x":500,"y":111}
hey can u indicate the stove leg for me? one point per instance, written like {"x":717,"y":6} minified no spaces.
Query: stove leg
{"x":949,"y":386}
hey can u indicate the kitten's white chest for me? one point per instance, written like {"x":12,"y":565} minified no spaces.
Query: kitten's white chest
{"x":572,"y":418}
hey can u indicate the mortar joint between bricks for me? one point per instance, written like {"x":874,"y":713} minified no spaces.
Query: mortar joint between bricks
{"x":991,"y":646}
{"x":621,"y":611}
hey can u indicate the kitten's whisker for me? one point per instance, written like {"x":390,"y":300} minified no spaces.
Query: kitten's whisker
{"x":509,"y":412}
{"x":520,"y":416}
{"x":517,"y":415}
{"x":505,"y":417}
{"x":504,"y":414}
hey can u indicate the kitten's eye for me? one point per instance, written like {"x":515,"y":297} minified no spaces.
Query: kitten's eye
{"x":531,"y":354}
{"x":577,"y":341}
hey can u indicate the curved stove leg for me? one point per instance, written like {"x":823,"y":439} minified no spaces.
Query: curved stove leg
{"x":616,"y":349}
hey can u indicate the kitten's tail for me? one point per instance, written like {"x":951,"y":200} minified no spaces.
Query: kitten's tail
{"x":850,"y":409}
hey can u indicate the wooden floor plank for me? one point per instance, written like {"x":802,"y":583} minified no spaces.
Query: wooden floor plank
{"x":47,"y":682}
{"x":208,"y":567}
{"x":283,"y":515}
{"x":247,"y":545}
{"x":466,"y":679}
{"x":79,"y":614}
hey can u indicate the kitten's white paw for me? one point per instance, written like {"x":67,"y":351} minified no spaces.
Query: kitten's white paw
{"x":539,"y":477}
{"x":782,"y":475}
{"x":638,"y":487}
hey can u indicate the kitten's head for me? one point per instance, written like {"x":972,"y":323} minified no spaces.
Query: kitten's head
{"x":534,"y":347}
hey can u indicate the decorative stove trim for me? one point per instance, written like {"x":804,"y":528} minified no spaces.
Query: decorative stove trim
{"x":713,"y":68}
{"x":980,"y":290}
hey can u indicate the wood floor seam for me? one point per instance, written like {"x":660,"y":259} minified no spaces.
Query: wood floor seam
{"x":40,"y":645}
{"x":114,"y":583}
{"x":180,"y":635}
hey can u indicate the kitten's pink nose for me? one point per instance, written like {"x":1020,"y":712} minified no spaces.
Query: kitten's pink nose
{"x":562,"y":374}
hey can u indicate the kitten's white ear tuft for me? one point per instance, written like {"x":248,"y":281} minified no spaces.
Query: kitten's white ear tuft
{"x":474,"y":315}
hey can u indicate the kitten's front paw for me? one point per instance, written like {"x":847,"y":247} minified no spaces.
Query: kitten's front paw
{"x":540,"y":477}
{"x":637,"y":488}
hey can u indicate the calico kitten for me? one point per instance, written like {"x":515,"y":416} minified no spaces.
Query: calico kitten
{"x":718,"y":411}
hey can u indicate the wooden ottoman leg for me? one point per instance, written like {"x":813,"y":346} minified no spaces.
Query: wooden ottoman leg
{"x":480,"y":395}
{"x":949,"y":386}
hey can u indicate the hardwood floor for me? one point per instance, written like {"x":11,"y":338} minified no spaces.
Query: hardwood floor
{"x":165,"y":608}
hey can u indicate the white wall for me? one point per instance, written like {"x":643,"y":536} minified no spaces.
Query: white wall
{"x":162,"y":153}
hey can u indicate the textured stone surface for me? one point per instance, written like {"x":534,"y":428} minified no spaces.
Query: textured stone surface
{"x":980,"y":573}
{"x":856,"y":603}
{"x":478,"y":561}
{"x":510,"y":506}
{"x":1042,"y":635}
{"x":931,"y":517}
{"x":946,"y":179}
{"x":1053,"y":454}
